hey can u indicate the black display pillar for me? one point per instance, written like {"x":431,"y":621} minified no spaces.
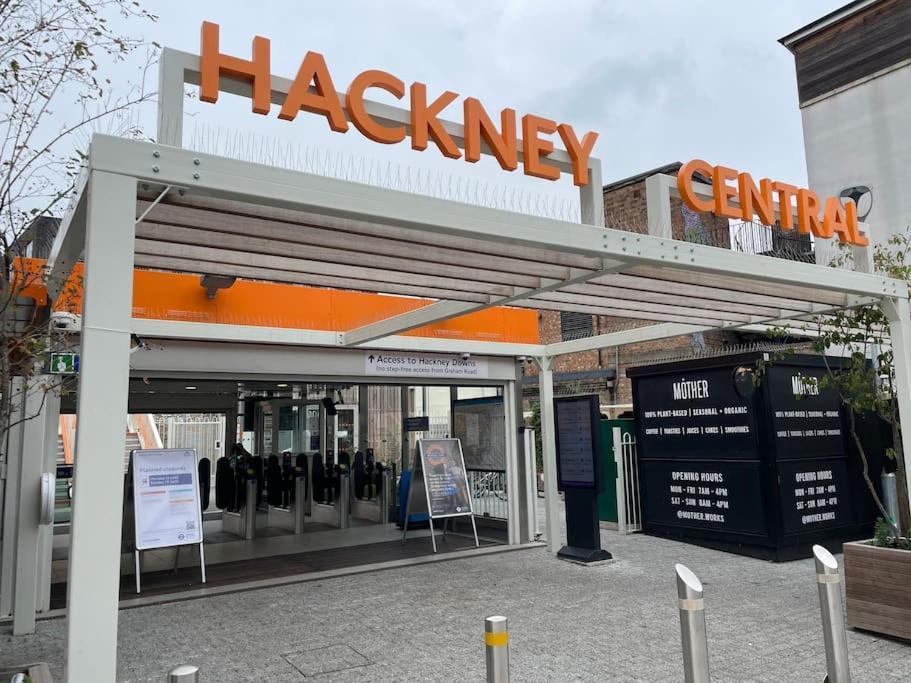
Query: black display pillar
{"x":577,"y":432}
{"x":583,"y":531}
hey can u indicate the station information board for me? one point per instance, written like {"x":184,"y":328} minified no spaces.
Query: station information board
{"x":577,"y":441}
{"x":166,"y":498}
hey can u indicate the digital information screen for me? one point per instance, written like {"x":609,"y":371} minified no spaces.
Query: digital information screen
{"x":576,"y":441}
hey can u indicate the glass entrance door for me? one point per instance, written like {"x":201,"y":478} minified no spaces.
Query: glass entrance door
{"x":346,"y":429}
{"x":296,"y":425}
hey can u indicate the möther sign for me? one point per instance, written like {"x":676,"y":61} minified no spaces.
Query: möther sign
{"x":313,"y":91}
{"x":835,"y":219}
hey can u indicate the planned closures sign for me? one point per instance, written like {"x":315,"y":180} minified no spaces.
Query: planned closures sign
{"x":166,"y":498}
{"x":445,"y":479}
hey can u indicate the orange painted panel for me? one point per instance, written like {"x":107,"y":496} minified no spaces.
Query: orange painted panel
{"x":160,"y":295}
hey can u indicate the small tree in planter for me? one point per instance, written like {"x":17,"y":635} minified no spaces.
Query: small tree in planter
{"x":865,"y":381}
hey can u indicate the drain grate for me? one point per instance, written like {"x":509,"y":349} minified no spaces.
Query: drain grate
{"x":325,"y":660}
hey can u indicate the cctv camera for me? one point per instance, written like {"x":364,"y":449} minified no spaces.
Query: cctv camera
{"x":63,"y":321}
{"x":466,"y":356}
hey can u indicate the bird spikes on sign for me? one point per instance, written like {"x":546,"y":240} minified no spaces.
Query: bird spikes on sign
{"x":260,"y":149}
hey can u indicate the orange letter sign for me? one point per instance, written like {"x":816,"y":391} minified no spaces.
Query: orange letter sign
{"x":502,"y":144}
{"x":685,"y":184}
{"x":354,"y":101}
{"x":578,"y":153}
{"x":323,"y":101}
{"x":213,"y":63}
{"x":534,"y":147}
{"x":426,"y":125}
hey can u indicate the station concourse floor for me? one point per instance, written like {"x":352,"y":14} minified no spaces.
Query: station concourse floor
{"x":616,"y":621}
{"x":272,"y":554}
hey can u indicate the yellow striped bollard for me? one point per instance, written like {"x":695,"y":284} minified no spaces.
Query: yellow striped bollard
{"x":496,"y":642}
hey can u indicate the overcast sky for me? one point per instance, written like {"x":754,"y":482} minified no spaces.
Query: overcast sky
{"x":659,"y":80}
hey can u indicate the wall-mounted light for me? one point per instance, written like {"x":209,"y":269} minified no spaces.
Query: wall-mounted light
{"x":213,"y":283}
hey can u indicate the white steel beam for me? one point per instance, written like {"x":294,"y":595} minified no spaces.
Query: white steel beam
{"x":444,"y":310}
{"x":549,"y":446}
{"x":513,"y":481}
{"x":276,"y":186}
{"x":93,"y":583}
{"x":51,"y":420}
{"x":622,"y":337}
{"x":10,"y":466}
{"x":664,"y":331}
{"x":30,"y":536}
{"x":69,"y":242}
{"x":172,"y":329}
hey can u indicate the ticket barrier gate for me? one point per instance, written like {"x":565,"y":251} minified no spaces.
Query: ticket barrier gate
{"x":243,"y":522}
{"x":332,"y":491}
{"x":291,"y":514}
{"x":371,"y":489}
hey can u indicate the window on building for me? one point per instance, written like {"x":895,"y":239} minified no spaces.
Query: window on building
{"x":575,"y":325}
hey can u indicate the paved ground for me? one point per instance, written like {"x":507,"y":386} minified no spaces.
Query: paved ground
{"x":612,"y":622}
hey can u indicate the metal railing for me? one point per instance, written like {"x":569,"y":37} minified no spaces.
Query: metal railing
{"x":629,"y":512}
{"x":488,"y":493}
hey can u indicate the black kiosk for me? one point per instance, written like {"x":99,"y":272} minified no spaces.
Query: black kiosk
{"x":762,"y":468}
{"x":577,"y":427}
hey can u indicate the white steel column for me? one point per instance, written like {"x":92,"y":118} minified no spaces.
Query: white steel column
{"x":11,"y":466}
{"x":899,"y":313}
{"x":591,"y":196}
{"x":513,"y":481}
{"x":51,"y":420}
{"x":29,"y":537}
{"x":94,"y":568}
{"x":549,"y":446}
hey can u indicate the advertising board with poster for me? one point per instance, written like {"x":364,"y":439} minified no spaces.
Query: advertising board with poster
{"x":439,"y":474}
{"x":166,"y":505}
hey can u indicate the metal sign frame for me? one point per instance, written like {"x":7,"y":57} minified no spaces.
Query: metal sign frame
{"x":419,"y":466}
{"x":137,"y":552}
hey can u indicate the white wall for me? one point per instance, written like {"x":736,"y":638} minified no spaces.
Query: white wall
{"x":862,"y":136}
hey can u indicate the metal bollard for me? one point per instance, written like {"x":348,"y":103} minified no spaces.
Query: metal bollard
{"x":890,"y":496}
{"x":496,"y":644}
{"x":386,"y":495}
{"x":184,"y":674}
{"x":833,"y":619}
{"x":250,"y":510}
{"x":344,"y":511}
{"x":300,"y":495}
{"x":692,"y":626}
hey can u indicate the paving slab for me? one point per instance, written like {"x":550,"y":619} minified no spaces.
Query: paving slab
{"x":613,"y":622}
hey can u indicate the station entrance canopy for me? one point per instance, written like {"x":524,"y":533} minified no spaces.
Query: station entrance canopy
{"x":161,"y":206}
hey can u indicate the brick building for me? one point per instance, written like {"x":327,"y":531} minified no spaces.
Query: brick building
{"x":603,"y":371}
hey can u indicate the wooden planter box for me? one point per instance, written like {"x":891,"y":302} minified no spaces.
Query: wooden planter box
{"x":39,"y":673}
{"x":878,"y":588}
